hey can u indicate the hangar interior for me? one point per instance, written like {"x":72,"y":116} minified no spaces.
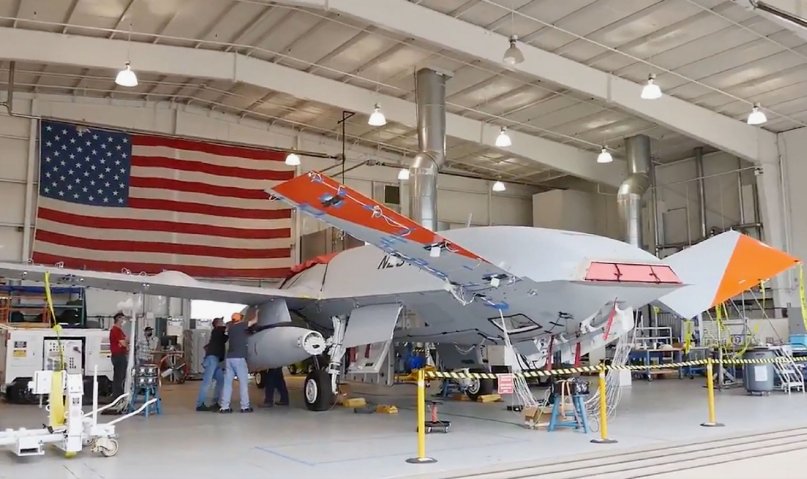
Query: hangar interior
{"x":464,"y":115}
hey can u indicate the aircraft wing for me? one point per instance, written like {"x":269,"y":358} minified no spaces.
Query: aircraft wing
{"x":169,"y":283}
{"x":361,"y":217}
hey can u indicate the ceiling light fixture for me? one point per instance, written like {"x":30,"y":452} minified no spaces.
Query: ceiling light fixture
{"x":757,"y":116}
{"x":503,"y":140}
{"x":513,"y":55}
{"x":403,"y":174}
{"x":377,"y":118}
{"x":498,"y":186}
{"x":651,"y":90}
{"x":604,"y":156}
{"x":126,"y":77}
{"x":293,"y":159}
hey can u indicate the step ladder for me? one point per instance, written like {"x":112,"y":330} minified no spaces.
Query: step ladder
{"x":787,"y":370}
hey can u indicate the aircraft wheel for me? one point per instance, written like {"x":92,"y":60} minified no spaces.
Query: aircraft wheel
{"x":317,"y":391}
{"x":480,"y":387}
{"x":260,"y":379}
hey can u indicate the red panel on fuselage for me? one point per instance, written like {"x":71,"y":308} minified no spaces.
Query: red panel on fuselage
{"x":631,"y":273}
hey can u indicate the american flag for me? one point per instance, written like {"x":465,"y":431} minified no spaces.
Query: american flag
{"x":110,"y":201}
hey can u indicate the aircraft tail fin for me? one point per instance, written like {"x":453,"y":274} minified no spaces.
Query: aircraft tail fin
{"x":720,"y":268}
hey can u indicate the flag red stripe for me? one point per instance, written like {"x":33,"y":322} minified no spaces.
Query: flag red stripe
{"x":212,"y":148}
{"x":160,"y":247}
{"x":150,"y":268}
{"x":204,"y":209}
{"x":197,"y":187}
{"x":166,"y":226}
{"x":201,"y":167}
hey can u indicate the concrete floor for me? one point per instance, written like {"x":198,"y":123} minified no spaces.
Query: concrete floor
{"x":292,"y":442}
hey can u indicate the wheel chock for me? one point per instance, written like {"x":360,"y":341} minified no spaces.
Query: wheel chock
{"x":354,"y":402}
{"x":386,"y":409}
{"x":489,"y":398}
{"x":460,"y":397}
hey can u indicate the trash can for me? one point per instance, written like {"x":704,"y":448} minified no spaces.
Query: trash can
{"x":758,"y":378}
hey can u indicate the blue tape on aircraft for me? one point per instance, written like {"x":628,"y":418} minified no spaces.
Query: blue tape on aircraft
{"x":332,"y":201}
{"x":305,"y":207}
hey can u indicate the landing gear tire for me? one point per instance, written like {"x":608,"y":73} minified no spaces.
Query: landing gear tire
{"x":260,"y":379}
{"x":480,"y":387}
{"x":317,"y":391}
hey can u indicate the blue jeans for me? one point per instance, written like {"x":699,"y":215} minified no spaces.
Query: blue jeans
{"x":212,"y":373}
{"x":235,"y":367}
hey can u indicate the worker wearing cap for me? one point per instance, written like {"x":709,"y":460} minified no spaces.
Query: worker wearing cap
{"x":236,"y":363}
{"x":146,"y":347}
{"x":119,"y":347}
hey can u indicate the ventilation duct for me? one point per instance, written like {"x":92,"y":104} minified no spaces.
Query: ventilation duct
{"x":431,"y":119}
{"x":789,"y":14}
{"x":629,"y":196}
{"x":9,"y":103}
{"x":701,"y":192}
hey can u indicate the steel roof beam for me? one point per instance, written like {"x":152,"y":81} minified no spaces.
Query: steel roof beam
{"x":92,"y":52}
{"x":445,"y":32}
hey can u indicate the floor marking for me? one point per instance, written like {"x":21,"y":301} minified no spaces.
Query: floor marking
{"x":429,"y":450}
{"x":284,"y":456}
{"x":510,"y":441}
{"x":339,"y":441}
{"x":84,"y":463}
{"x":68,"y":470}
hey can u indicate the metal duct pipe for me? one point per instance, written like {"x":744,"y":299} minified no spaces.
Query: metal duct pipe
{"x":9,"y":103}
{"x":658,"y":223}
{"x":431,"y":118}
{"x":740,"y":193}
{"x":701,"y":191}
{"x":629,"y":195}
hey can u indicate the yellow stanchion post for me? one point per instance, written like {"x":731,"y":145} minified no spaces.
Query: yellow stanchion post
{"x":421,"y":414}
{"x":603,"y":410}
{"x":710,"y":396}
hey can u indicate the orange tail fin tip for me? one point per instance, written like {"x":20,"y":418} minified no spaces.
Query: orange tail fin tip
{"x":721,"y":268}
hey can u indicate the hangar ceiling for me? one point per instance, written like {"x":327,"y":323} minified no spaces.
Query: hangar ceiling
{"x":711,"y":53}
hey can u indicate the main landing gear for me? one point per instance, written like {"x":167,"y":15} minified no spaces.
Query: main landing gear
{"x":317,"y":390}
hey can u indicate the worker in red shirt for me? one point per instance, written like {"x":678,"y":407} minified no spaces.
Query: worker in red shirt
{"x":119,"y":347}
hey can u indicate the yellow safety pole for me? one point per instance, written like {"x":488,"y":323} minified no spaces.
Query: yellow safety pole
{"x":603,"y":411}
{"x":421,"y":415}
{"x":710,"y":396}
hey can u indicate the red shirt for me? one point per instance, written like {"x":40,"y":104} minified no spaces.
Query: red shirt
{"x":115,"y":335}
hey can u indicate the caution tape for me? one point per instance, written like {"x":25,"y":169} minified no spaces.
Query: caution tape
{"x":593,"y":369}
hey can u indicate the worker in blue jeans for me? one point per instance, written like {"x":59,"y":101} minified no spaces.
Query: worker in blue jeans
{"x":236,"y":363}
{"x":214,"y":356}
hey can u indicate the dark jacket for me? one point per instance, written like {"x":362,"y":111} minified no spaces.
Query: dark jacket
{"x":217,"y":345}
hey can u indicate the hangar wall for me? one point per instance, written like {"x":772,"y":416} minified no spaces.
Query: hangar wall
{"x":587,"y":212}
{"x":793,"y":153}
{"x":460,"y":198}
{"x":677,"y":192}
{"x":723,"y":176}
